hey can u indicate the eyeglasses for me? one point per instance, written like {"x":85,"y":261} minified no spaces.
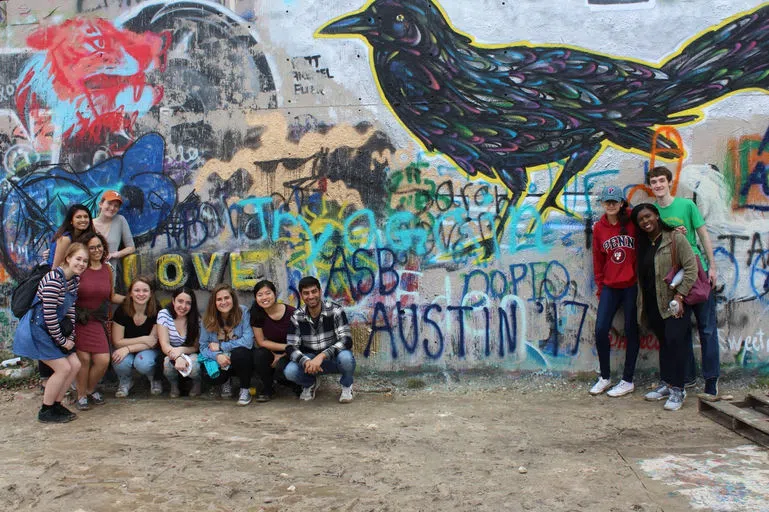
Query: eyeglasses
{"x":95,"y":248}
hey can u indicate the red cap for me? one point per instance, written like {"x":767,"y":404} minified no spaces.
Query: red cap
{"x":111,"y":195}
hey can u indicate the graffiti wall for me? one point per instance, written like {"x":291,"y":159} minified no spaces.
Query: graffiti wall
{"x":436,"y":165}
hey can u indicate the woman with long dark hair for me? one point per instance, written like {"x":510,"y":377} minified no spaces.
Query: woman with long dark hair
{"x":614,"y":268}
{"x":179,"y":338}
{"x":270,"y":319}
{"x":77,"y":221}
{"x":663,"y":309}
{"x":227,"y":342}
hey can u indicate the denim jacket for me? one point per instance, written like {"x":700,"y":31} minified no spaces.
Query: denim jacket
{"x":244,"y":337}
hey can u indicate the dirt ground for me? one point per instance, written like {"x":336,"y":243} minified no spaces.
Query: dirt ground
{"x":543,"y":446}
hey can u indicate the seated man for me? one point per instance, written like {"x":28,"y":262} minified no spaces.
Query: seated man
{"x":319,"y":341}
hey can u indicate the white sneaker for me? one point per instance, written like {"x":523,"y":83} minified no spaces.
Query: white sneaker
{"x":623,"y":388}
{"x":226,"y":391}
{"x":156,"y":387}
{"x":346,"y":396}
{"x":123,"y":389}
{"x":600,"y":386}
{"x":245,"y":397}
{"x":309,"y":393}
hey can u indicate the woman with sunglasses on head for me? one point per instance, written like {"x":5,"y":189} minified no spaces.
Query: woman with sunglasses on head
{"x":663,"y":308}
{"x":46,"y":331}
{"x":227,"y":343}
{"x":179,"y":339}
{"x":95,"y":294}
{"x":614,"y":268}
{"x":135,"y":338}
{"x":270,"y":320}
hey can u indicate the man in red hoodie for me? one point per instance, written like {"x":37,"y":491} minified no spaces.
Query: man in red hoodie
{"x":614,"y":266}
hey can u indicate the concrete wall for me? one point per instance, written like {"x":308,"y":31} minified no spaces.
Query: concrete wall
{"x":250,"y":146}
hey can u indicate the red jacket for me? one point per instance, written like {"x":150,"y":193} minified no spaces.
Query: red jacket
{"x":614,"y":254}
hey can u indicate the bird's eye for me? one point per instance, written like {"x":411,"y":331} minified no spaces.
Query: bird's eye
{"x":400,"y":18}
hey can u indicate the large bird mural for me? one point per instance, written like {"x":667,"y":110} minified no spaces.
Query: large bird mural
{"x":502,"y":111}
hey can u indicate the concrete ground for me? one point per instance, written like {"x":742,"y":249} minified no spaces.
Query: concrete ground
{"x":520,"y":444}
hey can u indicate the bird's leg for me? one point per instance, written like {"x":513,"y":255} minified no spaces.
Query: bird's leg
{"x":516,"y":182}
{"x":576,"y":163}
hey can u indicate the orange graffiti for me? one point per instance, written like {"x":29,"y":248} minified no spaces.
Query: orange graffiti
{"x":676,"y":153}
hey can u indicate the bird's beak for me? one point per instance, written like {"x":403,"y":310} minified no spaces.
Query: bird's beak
{"x":356,"y":23}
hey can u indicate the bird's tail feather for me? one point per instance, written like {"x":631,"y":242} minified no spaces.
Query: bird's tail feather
{"x":723,"y":60}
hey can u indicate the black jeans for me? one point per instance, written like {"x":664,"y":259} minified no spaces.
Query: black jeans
{"x":241,"y":366}
{"x":674,"y":335}
{"x":263,"y":358}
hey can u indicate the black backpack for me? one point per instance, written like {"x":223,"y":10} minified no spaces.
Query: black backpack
{"x":24,"y":293}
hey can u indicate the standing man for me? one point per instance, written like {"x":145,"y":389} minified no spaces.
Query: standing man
{"x":319,"y":341}
{"x":678,"y":211}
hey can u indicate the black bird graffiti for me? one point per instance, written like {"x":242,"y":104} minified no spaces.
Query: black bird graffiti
{"x":498,"y":111}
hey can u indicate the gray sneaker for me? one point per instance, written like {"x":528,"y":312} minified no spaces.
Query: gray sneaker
{"x":676,"y":400}
{"x":226,"y":390}
{"x":661,"y":393}
{"x":156,"y":387}
{"x":245,"y":397}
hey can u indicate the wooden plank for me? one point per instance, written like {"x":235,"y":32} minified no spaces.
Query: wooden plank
{"x":740,"y":418}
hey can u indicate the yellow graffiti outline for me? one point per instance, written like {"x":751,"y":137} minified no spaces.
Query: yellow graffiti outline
{"x":698,"y":111}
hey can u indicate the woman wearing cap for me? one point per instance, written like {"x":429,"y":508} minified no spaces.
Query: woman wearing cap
{"x":614,"y":267}
{"x":114,"y":228}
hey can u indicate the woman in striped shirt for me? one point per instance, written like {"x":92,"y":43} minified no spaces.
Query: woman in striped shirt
{"x":46,"y":332}
{"x":178,"y":335}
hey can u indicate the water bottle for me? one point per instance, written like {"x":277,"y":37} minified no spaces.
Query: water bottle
{"x":677,"y":279}
{"x":674,"y":307}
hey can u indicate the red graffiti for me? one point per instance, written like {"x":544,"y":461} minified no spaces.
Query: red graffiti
{"x":648,"y":342}
{"x":93,"y":76}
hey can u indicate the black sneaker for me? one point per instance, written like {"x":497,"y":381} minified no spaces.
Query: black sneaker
{"x":264,"y":397}
{"x":49,"y":415}
{"x":711,"y":387}
{"x":60,"y":409}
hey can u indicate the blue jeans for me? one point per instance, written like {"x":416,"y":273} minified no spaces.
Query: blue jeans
{"x":143,"y":361}
{"x":610,"y":301}
{"x":705,"y":314}
{"x":343,"y":362}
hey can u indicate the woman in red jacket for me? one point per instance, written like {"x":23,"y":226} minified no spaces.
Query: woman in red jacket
{"x":614,"y":265}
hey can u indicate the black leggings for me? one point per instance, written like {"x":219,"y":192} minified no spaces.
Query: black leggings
{"x":673,"y":334}
{"x":267,"y":374}
{"x":241,"y":366}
